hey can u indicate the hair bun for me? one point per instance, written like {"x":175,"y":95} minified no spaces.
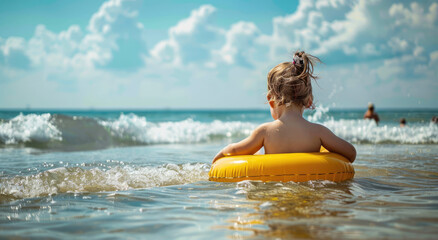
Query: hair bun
{"x":297,"y":60}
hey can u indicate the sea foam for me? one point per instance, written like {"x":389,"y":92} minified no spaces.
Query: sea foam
{"x":139,"y":129}
{"x":119,"y":178}
{"x":367,"y":131}
{"x":26,"y":128}
{"x":81,"y":133}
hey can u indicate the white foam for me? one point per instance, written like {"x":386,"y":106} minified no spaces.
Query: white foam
{"x":187,"y":131}
{"x":320,"y":112}
{"x":41,"y":128}
{"x":32,"y":127}
{"x":367,"y":131}
{"x":120,"y":178}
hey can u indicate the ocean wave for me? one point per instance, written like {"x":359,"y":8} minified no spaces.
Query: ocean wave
{"x":119,"y":178}
{"x":319,"y":114}
{"x":66,"y":133}
{"x":366,"y":131}
{"x":27,"y":128}
{"x":138,"y":129}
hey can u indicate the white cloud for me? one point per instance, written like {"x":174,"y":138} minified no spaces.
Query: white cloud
{"x":345,"y":31}
{"x":434,"y":57}
{"x":191,"y":40}
{"x":319,"y":27}
{"x":113,"y":16}
{"x":354,"y":28}
{"x":166,"y":51}
{"x":418,"y":51}
{"x":370,"y":49}
{"x":124,"y":38}
{"x":114,"y":23}
{"x":398,"y":45}
{"x":240,"y":45}
{"x":13,"y":52}
{"x":415,"y":15}
{"x":402,"y":68}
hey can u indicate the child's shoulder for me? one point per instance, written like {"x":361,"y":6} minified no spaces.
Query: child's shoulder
{"x":318,"y":127}
{"x":315,"y":125}
{"x":264,"y":127}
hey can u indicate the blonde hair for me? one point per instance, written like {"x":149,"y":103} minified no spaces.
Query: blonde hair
{"x":290,"y":82}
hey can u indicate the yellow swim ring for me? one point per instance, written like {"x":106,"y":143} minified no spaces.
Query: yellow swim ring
{"x":284,"y":167}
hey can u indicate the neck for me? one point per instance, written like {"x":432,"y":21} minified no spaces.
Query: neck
{"x":291,"y":111}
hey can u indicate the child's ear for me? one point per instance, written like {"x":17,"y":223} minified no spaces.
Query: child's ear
{"x":271,"y":103}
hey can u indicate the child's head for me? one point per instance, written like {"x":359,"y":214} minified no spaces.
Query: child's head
{"x":290,"y":82}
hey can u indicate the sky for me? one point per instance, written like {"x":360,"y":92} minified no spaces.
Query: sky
{"x":214,"y":54}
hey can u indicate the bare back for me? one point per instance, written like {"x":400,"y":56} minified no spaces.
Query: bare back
{"x":371,"y":115}
{"x":297,"y":135}
{"x":290,"y":133}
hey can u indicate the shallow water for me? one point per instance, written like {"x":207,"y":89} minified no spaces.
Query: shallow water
{"x":147,"y":189}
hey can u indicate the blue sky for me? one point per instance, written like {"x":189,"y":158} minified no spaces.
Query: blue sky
{"x":214,"y":54}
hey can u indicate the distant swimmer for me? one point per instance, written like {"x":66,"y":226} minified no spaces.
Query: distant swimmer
{"x":370,"y":114}
{"x":403,"y":122}
{"x":434,"y":119}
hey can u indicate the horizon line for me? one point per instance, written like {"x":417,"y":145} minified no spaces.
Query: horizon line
{"x":195,"y":109}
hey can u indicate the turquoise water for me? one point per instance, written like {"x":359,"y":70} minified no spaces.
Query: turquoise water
{"x":144,"y":174}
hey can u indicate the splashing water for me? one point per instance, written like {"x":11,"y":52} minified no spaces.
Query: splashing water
{"x":26,"y":128}
{"x":118,"y":178}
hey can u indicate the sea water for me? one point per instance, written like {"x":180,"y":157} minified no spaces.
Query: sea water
{"x":144,"y":174}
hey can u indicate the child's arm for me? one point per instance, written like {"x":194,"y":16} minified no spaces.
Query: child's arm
{"x":247,"y":146}
{"x":336,"y":144}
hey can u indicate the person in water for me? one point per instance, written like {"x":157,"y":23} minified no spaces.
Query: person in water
{"x":370,"y":114}
{"x":289,"y":93}
{"x":403,"y":122}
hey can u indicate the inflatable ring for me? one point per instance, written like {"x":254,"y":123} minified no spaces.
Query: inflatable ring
{"x":284,"y":167}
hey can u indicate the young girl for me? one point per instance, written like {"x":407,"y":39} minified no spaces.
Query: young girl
{"x":289,"y":93}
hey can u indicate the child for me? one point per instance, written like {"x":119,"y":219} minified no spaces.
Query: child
{"x":289,"y":93}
